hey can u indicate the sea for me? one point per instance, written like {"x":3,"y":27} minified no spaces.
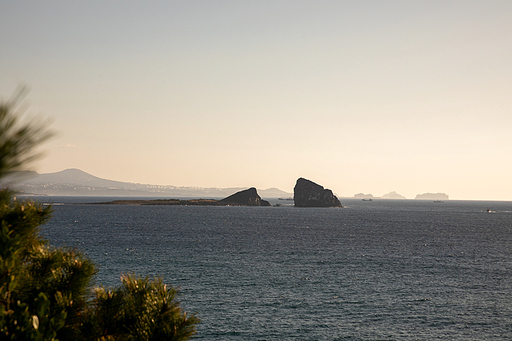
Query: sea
{"x":379,"y":270}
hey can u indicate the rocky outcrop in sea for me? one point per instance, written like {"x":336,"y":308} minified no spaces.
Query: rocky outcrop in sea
{"x":248,"y":197}
{"x":363,"y":196}
{"x":306,"y":193}
{"x":432,"y":196}
{"x":393,"y":195}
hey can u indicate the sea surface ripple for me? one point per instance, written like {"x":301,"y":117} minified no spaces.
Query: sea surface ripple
{"x":381,"y":270}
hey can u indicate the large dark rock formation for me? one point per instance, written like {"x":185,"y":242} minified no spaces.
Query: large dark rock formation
{"x":248,"y":197}
{"x":306,"y":193}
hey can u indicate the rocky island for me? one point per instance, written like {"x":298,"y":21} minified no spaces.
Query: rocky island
{"x":432,"y":196}
{"x":306,"y":193}
{"x":363,"y":196}
{"x":248,"y":197}
{"x":393,"y":195}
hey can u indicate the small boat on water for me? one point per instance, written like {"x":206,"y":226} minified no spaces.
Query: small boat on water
{"x":439,"y":201}
{"x":289,"y":199}
{"x":367,"y":199}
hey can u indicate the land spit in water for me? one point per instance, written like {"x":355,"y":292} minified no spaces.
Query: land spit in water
{"x":248,"y":197}
{"x":174,"y":202}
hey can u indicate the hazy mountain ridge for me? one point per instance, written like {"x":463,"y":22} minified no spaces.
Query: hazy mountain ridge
{"x":78,"y":182}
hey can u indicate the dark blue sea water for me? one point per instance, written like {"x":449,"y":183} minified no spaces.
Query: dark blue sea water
{"x":381,"y":270}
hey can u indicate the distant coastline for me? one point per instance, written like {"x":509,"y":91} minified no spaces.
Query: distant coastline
{"x":75,"y":182}
{"x":247,"y":197}
{"x":169,"y":202}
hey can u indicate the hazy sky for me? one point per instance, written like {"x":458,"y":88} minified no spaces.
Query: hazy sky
{"x":359,"y":96}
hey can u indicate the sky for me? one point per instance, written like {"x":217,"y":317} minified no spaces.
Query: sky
{"x":358,"y":96}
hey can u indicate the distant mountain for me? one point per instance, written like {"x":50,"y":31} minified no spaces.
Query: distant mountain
{"x":80,"y":183}
{"x":76,"y":177}
{"x":393,"y":195}
{"x":274,"y":193}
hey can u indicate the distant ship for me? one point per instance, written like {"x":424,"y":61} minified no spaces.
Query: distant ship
{"x":285,"y":199}
{"x":367,"y":199}
{"x":439,"y":201}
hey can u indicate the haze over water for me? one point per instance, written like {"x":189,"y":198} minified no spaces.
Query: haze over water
{"x":359,"y":96}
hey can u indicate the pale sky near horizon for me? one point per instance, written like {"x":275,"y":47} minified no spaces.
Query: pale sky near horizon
{"x":358,"y":96}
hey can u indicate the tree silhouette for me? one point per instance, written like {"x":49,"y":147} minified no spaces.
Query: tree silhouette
{"x":46,"y":293}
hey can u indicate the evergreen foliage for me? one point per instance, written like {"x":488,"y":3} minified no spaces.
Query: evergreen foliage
{"x":18,"y":140}
{"x":42,"y":290}
{"x":46,"y":293}
{"x":141,"y":309}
